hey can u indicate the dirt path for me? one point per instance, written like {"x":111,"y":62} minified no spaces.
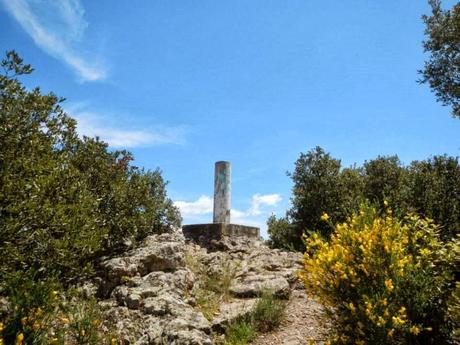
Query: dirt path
{"x":304,"y":320}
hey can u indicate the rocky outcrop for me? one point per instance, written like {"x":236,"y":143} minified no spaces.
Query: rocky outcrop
{"x":149,"y":292}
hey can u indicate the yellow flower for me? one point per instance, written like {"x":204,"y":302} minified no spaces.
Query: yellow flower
{"x":113,"y":341}
{"x":19,"y":338}
{"x":389,"y":284}
{"x":325,"y":217}
{"x":380,"y":321}
{"x":398,"y":321}
{"x":390,"y":332}
{"x":36,"y":326}
{"x":384,"y":302}
{"x":39,"y":311}
{"x":2,"y":327}
{"x":65,"y":320}
{"x":415,"y":330}
{"x":425,"y":252}
{"x":352,"y":307}
{"x":24,"y":320}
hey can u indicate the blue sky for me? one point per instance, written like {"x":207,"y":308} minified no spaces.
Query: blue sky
{"x":183,"y":84}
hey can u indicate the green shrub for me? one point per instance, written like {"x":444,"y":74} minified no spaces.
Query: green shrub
{"x":283,"y":234}
{"x":386,"y":180}
{"x":240,"y":333}
{"x":268,"y":312}
{"x":435,"y":191}
{"x":454,"y":312}
{"x":64,"y":200}
{"x":29,"y":308}
{"x":265,"y":317}
{"x":41,"y":313}
{"x":429,"y":188}
{"x":317,"y":189}
{"x":386,"y":281}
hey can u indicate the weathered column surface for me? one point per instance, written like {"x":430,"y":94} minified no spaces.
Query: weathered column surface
{"x":222,"y":192}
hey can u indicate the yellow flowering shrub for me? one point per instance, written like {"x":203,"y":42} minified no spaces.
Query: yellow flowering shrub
{"x":454,"y":311}
{"x":37,"y":312}
{"x":384,"y":281}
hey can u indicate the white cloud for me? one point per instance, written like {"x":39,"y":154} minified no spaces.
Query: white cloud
{"x":93,"y":124}
{"x":244,"y":218}
{"x":57,"y":27}
{"x":256,"y":215}
{"x":263,"y":200}
{"x":203,"y":205}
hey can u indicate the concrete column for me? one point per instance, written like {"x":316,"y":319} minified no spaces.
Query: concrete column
{"x":222,"y":192}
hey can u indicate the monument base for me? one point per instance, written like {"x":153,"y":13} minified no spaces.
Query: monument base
{"x":207,"y":233}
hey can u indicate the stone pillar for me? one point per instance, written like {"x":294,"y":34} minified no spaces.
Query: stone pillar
{"x":222,"y":192}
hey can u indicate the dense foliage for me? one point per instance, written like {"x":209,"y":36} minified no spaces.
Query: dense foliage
{"x":386,"y":281}
{"x":430,"y":188}
{"x":65,"y":200}
{"x":40,"y":312}
{"x":442,"y":70}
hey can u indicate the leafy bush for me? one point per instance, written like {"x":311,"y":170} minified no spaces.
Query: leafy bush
{"x":65,"y":200}
{"x":430,"y":188}
{"x":283,"y":234}
{"x":435,"y":192}
{"x":40,"y":313}
{"x":385,"y":179}
{"x":454,"y":312}
{"x":316,"y":190}
{"x":26,"y":316}
{"x":386,"y":281}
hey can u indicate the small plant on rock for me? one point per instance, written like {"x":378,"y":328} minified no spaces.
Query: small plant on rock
{"x":212,"y":288}
{"x":240,"y":333}
{"x":266,"y":316}
{"x":268,"y":312}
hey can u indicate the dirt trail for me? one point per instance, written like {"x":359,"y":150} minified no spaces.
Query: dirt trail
{"x":305,"y":319}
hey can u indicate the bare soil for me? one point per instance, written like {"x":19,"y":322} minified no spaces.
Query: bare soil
{"x":305,"y":320}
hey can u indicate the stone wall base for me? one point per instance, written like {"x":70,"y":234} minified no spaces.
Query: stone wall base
{"x":205,"y":234}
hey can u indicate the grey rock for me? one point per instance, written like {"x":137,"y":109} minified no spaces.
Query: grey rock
{"x":255,"y":285}
{"x":232,"y":311}
{"x":148,"y":292}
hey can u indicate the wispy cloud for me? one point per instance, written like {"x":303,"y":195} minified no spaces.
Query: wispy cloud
{"x":57,"y":27}
{"x":92,"y":124}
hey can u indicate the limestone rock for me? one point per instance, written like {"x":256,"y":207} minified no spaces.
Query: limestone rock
{"x":148,"y":292}
{"x":159,"y":253}
{"x":255,"y":285}
{"x":232,"y":311}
